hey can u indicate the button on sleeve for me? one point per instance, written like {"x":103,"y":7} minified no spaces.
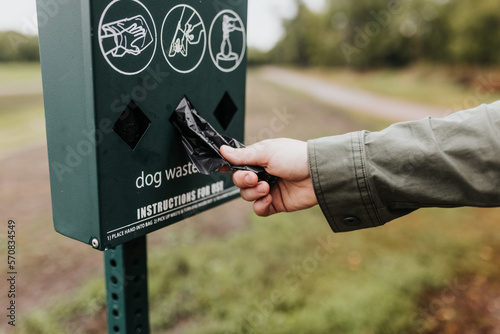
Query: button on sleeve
{"x":337,"y":166}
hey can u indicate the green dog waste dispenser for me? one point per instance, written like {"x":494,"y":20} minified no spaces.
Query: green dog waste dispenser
{"x":113,"y":73}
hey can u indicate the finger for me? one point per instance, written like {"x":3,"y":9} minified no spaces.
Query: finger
{"x":263,"y":207}
{"x":255,"y":193}
{"x":244,"y":180}
{"x":244,"y":156}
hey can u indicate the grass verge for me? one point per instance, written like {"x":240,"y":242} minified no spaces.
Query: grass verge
{"x":279,"y":277}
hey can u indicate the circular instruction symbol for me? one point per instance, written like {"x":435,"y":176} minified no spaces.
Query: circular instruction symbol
{"x":183,"y":38}
{"x":127,"y":41}
{"x":227,"y":42}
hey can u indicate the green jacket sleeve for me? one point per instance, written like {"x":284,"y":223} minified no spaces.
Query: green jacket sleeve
{"x":365,"y":179}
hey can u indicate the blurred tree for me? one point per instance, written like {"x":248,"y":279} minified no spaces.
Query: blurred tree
{"x":257,"y":57}
{"x":436,"y":31}
{"x":18,"y":47}
{"x":301,"y":43}
{"x":371,"y":37}
{"x":475,"y":29}
{"x":376,"y":33}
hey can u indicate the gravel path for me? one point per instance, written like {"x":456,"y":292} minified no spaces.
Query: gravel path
{"x":355,"y":99}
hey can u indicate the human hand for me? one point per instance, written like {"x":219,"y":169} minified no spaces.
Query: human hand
{"x":285,"y":158}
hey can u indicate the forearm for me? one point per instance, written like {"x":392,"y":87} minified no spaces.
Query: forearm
{"x":365,"y":179}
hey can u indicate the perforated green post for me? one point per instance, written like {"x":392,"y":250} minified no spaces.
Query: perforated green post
{"x":127,"y":288}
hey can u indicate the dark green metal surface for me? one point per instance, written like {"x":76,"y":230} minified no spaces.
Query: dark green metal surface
{"x":127,"y":288}
{"x":113,"y":73}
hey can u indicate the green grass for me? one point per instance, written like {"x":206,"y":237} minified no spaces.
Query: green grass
{"x":19,"y":72}
{"x":22,"y":125}
{"x":270,"y":279}
{"x":21,"y":112}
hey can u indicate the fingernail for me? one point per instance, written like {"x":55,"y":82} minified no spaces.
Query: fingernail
{"x":261,"y":188}
{"x":248,"y":180}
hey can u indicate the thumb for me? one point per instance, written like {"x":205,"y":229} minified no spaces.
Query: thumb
{"x":243,"y":156}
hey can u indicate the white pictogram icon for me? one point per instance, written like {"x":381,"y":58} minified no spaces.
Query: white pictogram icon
{"x":229,"y":24}
{"x":127,"y":42}
{"x":185,"y":37}
{"x":227,"y":40}
{"x":129,"y":36}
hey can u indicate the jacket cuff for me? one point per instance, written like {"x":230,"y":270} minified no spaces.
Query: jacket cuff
{"x":337,"y":167}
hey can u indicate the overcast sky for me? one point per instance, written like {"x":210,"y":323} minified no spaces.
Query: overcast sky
{"x":264,"y":18}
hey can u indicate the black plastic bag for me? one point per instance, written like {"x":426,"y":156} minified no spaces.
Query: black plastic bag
{"x":202,"y":143}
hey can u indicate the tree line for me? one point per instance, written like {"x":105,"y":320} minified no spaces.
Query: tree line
{"x":380,"y":33}
{"x":363,"y":34}
{"x":18,"y":47}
